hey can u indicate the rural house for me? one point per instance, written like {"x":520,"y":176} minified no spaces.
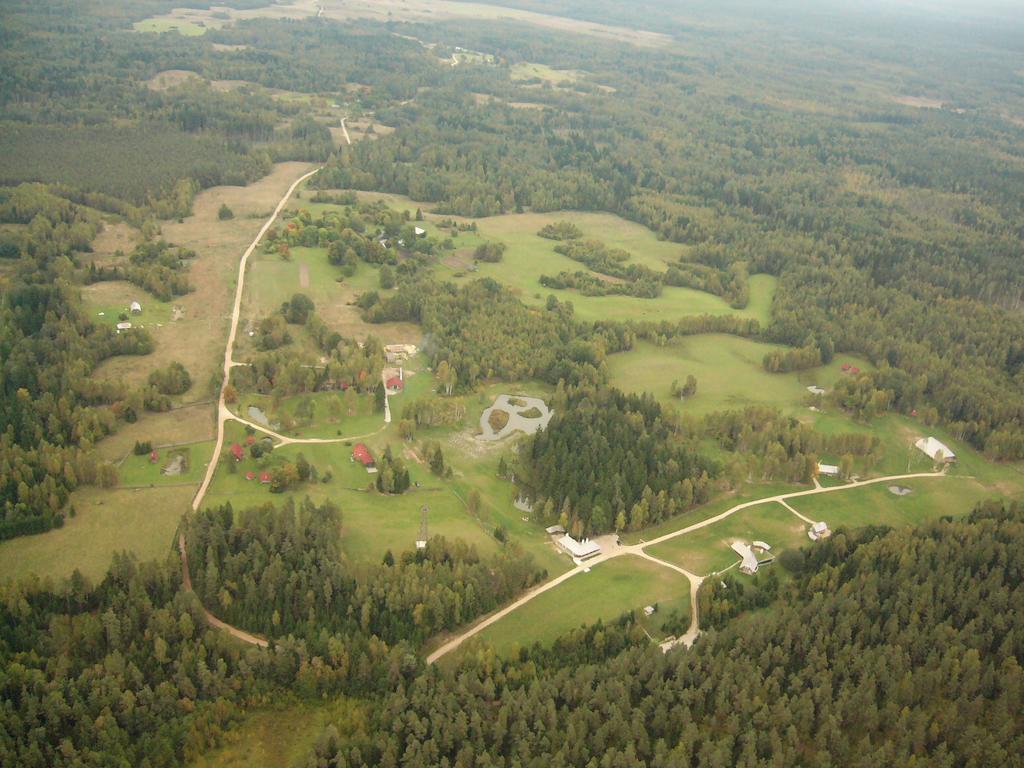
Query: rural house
{"x":362,"y":454}
{"x":818,"y":530}
{"x":237,"y":451}
{"x":748,"y":560}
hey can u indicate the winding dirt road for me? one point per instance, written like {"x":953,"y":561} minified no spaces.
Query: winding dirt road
{"x":638,"y":550}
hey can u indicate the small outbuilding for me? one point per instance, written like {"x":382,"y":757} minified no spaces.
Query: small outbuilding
{"x":265,"y":478}
{"x":818,"y":530}
{"x":420,"y":231}
{"x":814,"y":389}
{"x":649,"y":610}
{"x":362,"y":454}
{"x":763,"y":546}
{"x":828,"y":470}
{"x":250,"y":475}
{"x":554,"y":530}
{"x":124,"y":326}
{"x":580,"y":550}
{"x":154,"y":457}
{"x":136,"y":308}
{"x":935,"y":450}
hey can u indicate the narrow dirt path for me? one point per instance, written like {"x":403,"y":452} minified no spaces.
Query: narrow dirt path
{"x":212,"y":620}
{"x":223,"y":414}
{"x":638,"y":549}
{"x":344,"y":130}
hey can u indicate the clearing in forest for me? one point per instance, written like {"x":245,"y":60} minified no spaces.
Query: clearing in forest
{"x":610,"y":589}
{"x":729,"y":374}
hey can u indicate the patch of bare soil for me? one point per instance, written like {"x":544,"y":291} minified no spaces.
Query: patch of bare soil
{"x":919,"y":102}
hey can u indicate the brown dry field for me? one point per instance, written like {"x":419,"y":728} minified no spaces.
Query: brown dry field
{"x":197,"y":340}
{"x":114,"y":237}
{"x":183,"y":425}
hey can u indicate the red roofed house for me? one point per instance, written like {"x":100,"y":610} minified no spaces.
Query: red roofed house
{"x":394,"y":385}
{"x":855,"y":370}
{"x":237,"y":451}
{"x":153,"y":457}
{"x":250,"y":475}
{"x":264,"y":477}
{"x":362,"y":454}
{"x":846,"y":367}
{"x":249,"y":440}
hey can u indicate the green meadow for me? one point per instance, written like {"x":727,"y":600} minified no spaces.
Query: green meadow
{"x":930,"y":498}
{"x":142,"y":521}
{"x":139,"y":471}
{"x":728,"y":370}
{"x":606,"y":592}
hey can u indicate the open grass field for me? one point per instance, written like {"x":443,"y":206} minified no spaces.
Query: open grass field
{"x":280,"y":736}
{"x":875,"y":505}
{"x":706,"y":550}
{"x":107,"y":521}
{"x":606,"y":592}
{"x":728,"y":371}
{"x":182,"y":425}
{"x":272,"y":281}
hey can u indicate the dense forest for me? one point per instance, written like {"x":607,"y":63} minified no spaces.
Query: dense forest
{"x":836,"y":204}
{"x":888,"y":648}
{"x":281,"y":571}
{"x":609,"y":461}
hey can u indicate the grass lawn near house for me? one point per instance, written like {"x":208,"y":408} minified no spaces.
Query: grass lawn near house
{"x":140,"y":472}
{"x":606,"y":592}
{"x":707,"y":550}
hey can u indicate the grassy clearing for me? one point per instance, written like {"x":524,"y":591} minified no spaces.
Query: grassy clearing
{"x":875,"y":505}
{"x":106,"y":301}
{"x":197,"y":339}
{"x":140,"y":521}
{"x":272,"y":281}
{"x":139,"y":471}
{"x":606,"y":592}
{"x":706,"y":550}
{"x":529,"y":70}
{"x":530,"y":256}
{"x":280,"y":736}
{"x":728,"y":371}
